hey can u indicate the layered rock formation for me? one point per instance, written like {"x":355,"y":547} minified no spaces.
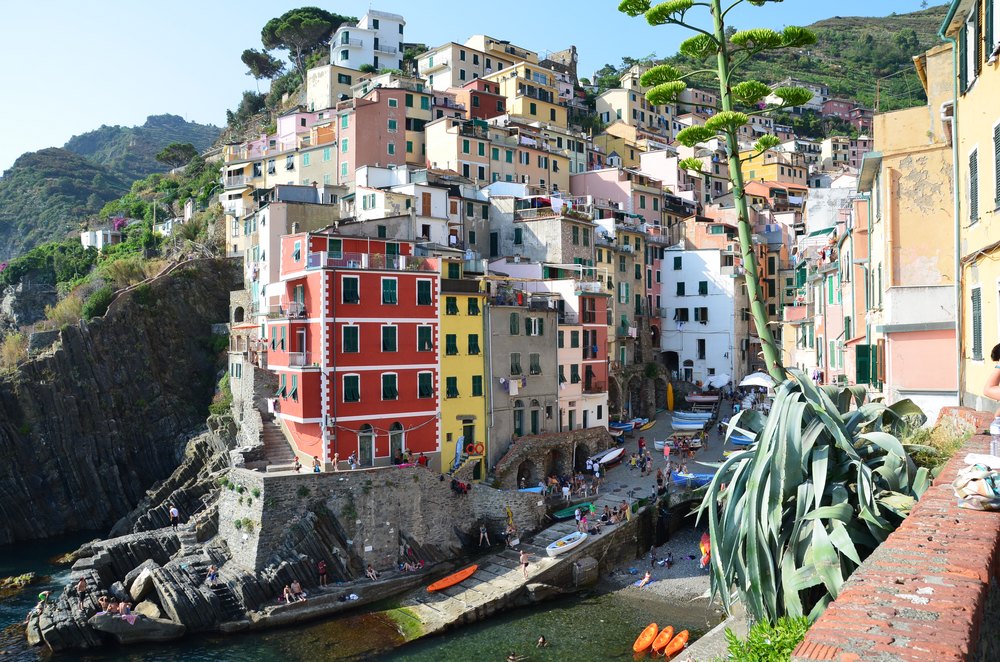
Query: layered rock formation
{"x":86,"y":428}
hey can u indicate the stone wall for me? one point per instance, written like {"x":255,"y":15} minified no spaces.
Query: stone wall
{"x":86,"y":429}
{"x":535,"y":456}
{"x":250,"y":393}
{"x":352,"y":518}
{"x":923,"y":594}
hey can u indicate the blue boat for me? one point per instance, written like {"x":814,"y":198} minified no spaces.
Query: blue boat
{"x":681,"y":424}
{"x":740,"y":440}
{"x":624,"y":427}
{"x":691,"y":480}
{"x":693,"y":415}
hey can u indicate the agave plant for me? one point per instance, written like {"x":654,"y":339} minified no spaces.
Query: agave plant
{"x":825,"y":484}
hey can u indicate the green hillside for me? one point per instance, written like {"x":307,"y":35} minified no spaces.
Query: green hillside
{"x":131,"y":150}
{"x":856,"y":57}
{"x":46,"y":194}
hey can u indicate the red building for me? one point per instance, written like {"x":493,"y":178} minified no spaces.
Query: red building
{"x":354,"y":345}
{"x":482,"y":99}
{"x":838,"y":108}
{"x":594,"y":317}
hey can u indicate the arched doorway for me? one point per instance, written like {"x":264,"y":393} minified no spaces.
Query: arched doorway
{"x":654,"y":332}
{"x":535,"y":415}
{"x":553,"y":462}
{"x":238,"y":314}
{"x":672,"y":361}
{"x":580,"y":455}
{"x":527,"y":474}
{"x":397,"y":441}
{"x":519,"y":418}
{"x":366,"y":446}
{"x":688,"y":370}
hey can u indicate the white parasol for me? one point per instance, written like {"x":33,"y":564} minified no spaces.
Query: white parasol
{"x":758,"y":379}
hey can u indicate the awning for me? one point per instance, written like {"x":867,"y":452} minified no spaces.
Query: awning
{"x":854,"y":340}
{"x":822,"y":231}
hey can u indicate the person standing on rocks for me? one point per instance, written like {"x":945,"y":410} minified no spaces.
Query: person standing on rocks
{"x":316,"y":464}
{"x":212,"y":576}
{"x":483,"y":535}
{"x":336,"y":461}
{"x":321,"y":567}
{"x":524,"y":562}
{"x":81,"y":591}
{"x":175,"y":517}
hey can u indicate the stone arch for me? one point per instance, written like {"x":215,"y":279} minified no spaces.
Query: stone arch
{"x":527,"y":474}
{"x":581,"y":452}
{"x":238,"y":314}
{"x":554,"y":462}
{"x":672,"y":362}
{"x":654,"y":334}
{"x":397,"y":440}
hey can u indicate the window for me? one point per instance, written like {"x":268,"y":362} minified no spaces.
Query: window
{"x":389,"y":390}
{"x":477,"y":386}
{"x":451,"y":305}
{"x":473,"y":306}
{"x":351,"y":339}
{"x":352,"y":388}
{"x":423,"y":293}
{"x":425,"y":385}
{"x":701,"y":315}
{"x":703,"y":287}
{"x":474,"y":344}
{"x":481,"y":147}
{"x":515,"y":363}
{"x":390,"y":148}
{"x":974,"y":186}
{"x":534,"y":326}
{"x":486,"y":212}
{"x":509,"y":153}
{"x":559,"y":336}
{"x":305,"y":159}
{"x":343,"y":79}
{"x":392,"y":123}
{"x":576,"y":235}
{"x":343,"y":55}
{"x":701,"y":348}
{"x":574,"y":374}
{"x":349,"y":289}
{"x":533,"y":108}
{"x":574,"y":338}
{"x":515,"y":324}
{"x":451,"y":344}
{"x":562,"y":375}
{"x":638,"y":271}
{"x":977,"y":324}
{"x":344,"y":120}
{"x":681,"y":315}
{"x":451,"y":387}
{"x":621,"y":263}
{"x":388,"y":339}
{"x":518,"y":236}
{"x":393,"y":103}
{"x":425,"y":103}
{"x":297,"y":251}
{"x":680,"y":288}
{"x":424,"y":338}
{"x":534,"y":364}
{"x":677,"y":263}
{"x":389,"y":290}
{"x":344,"y":146}
{"x":996,"y":155}
{"x":465,"y":146}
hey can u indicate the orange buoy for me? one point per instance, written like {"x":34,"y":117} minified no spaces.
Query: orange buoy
{"x":676,"y":644}
{"x":662,"y":639}
{"x":646,"y":638}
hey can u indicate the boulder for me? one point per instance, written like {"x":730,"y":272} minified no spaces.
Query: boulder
{"x":148,"y":609}
{"x":142,"y":585}
{"x":143,"y":629}
{"x":118,"y":591}
{"x":130,"y":576}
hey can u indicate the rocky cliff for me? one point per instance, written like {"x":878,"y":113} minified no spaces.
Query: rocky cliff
{"x":87,"y":428}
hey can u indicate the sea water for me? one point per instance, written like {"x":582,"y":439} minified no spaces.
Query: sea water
{"x":589,"y":626}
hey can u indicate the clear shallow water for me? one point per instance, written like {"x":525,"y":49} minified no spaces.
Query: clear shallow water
{"x":595,"y":626}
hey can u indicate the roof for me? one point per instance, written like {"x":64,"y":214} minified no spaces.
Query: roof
{"x":871,"y":164}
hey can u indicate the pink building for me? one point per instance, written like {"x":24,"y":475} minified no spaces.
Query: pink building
{"x":838,"y":108}
{"x":371,"y":131}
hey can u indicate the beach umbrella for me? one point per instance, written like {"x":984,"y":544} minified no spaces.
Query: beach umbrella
{"x":717,"y":381}
{"x":758,"y":379}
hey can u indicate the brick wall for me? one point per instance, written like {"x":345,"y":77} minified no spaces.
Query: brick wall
{"x":923,"y":594}
{"x":547,"y":453}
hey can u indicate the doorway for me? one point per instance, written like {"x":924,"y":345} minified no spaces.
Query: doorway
{"x":366,"y":446}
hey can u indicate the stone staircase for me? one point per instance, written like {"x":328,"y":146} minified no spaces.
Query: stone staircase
{"x":279,"y":453}
{"x":229,"y":606}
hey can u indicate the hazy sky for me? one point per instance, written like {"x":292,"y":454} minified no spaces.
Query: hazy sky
{"x":71,"y":66}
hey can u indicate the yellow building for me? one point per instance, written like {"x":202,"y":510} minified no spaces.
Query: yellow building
{"x":462,"y":348}
{"x":908,"y":349}
{"x":628,"y":143}
{"x":776,"y":166}
{"x":531,"y":92}
{"x":975,"y":25}
{"x":628,"y":104}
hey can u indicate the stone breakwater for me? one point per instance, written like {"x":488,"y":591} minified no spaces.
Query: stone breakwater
{"x":88,"y":426}
{"x":264,"y":531}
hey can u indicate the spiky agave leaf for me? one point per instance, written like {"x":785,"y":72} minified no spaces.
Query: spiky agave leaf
{"x":633,"y":7}
{"x":795,"y":37}
{"x":750,"y":92}
{"x":727,"y":120}
{"x":665,"y":93}
{"x":693,"y":135}
{"x":699,"y":46}
{"x":757,"y":39}
{"x":668,"y":12}
{"x":793,"y":96}
{"x":660,"y":74}
{"x":691,"y":164}
{"x":766,"y":142}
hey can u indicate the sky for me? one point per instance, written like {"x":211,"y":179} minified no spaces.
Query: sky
{"x":73,"y":66}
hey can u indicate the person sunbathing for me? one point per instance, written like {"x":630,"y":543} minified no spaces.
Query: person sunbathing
{"x":645,"y":580}
{"x":370,"y":573}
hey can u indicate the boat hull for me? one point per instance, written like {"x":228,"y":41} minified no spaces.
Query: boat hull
{"x":453,"y":579}
{"x":565,"y":543}
{"x":613,"y":457}
{"x":566,"y":513}
{"x":646,"y":638}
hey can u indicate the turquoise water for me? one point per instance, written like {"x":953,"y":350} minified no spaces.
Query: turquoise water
{"x":594,"y":626}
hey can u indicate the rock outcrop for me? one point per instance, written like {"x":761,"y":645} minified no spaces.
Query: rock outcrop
{"x":86,"y":428}
{"x":140,"y":629}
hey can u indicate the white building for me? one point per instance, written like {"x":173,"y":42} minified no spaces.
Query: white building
{"x":100,"y":238}
{"x":376,"y":40}
{"x":699,"y":327}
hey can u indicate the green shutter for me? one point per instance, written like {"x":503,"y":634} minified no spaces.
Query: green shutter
{"x":473,"y":306}
{"x":996,"y":164}
{"x":473,"y":344}
{"x":425,"y":385}
{"x":451,"y":344}
{"x":477,"y":386}
{"x":350,"y":339}
{"x":963,"y":64}
{"x":988,"y":30}
{"x":423,"y":292}
{"x":974,"y":186}
{"x":977,"y":324}
{"x":424,"y":339}
{"x":677,"y":263}
{"x":515,"y":324}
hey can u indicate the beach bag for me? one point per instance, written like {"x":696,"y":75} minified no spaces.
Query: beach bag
{"x":978,"y":488}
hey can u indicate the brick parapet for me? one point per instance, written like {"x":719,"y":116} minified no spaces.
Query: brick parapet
{"x":923,"y":593}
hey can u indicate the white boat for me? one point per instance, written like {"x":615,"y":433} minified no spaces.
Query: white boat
{"x":693,"y":415}
{"x":565,"y":543}
{"x":611,"y":457}
{"x":596,"y":457}
{"x":680,"y":424}
{"x":703,"y":399}
{"x":658,"y":444}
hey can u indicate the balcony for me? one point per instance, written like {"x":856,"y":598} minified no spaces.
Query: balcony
{"x":391,"y":50}
{"x":594,"y":387}
{"x":373,"y":262}
{"x":460,"y":286}
{"x":301,"y":360}
{"x":351,"y":43}
{"x":569,"y":318}
{"x":732,"y":271}
{"x":287,"y":310}
{"x":236,"y":182}
{"x":534,"y":214}
{"x":437,"y":63}
{"x":626,"y":331}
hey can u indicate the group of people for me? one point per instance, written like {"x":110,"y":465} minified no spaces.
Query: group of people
{"x":643,"y":461}
{"x":293,"y":592}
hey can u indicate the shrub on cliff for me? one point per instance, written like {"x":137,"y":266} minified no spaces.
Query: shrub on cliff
{"x":13,"y":350}
{"x":66,"y":311}
{"x":97,"y":303}
{"x":223,"y":399}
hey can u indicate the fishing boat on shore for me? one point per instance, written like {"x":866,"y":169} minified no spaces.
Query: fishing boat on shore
{"x":681,"y":424}
{"x":566,"y":513}
{"x":702,"y":399}
{"x":565,"y":543}
{"x":452,"y":579}
{"x":612,"y":457}
{"x":693,"y":415}
{"x":691,"y":480}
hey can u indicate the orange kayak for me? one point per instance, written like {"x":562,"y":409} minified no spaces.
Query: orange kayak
{"x":676,"y":644}
{"x":645,"y":639}
{"x":453,"y":578}
{"x":662,"y":639}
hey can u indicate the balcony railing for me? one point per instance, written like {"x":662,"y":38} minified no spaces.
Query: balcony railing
{"x":594,"y":387}
{"x":287,"y":309}
{"x":300,"y":359}
{"x":392,"y":50}
{"x":569,"y":318}
{"x":356,"y":43}
{"x":235,"y":182}
{"x":373,"y":261}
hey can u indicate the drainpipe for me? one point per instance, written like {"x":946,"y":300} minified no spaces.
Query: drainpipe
{"x":956,"y":202}
{"x":488,"y":365}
